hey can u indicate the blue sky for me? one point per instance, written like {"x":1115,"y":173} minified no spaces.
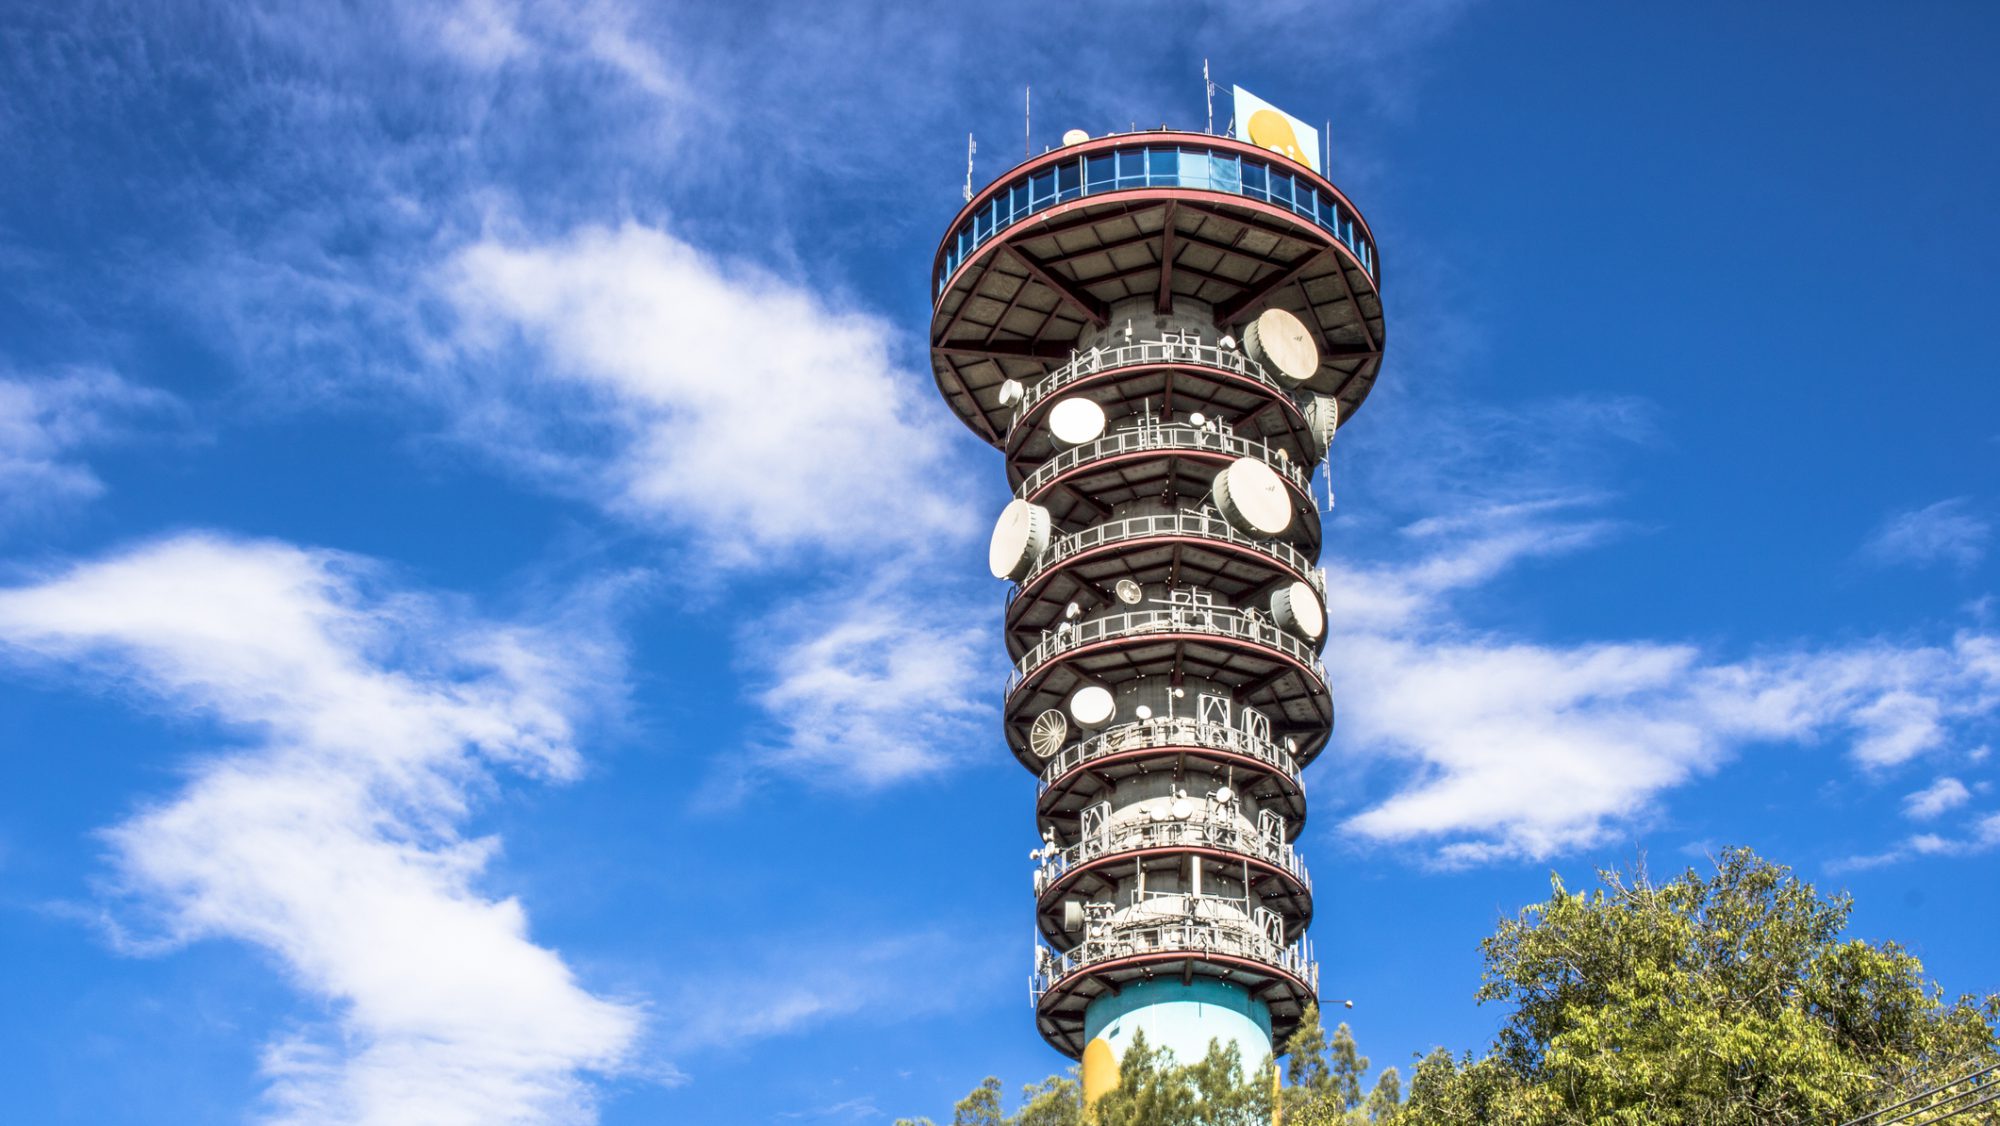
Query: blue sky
{"x":492,"y":624}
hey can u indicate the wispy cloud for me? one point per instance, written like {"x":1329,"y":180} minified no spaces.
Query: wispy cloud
{"x":1938,"y":797}
{"x":1947,"y":533}
{"x":48,"y":423}
{"x":367,"y":719}
{"x":1982,"y":835}
{"x":778,"y":993}
{"x":871,"y":686}
{"x":699,"y":394}
{"x":1515,"y":747}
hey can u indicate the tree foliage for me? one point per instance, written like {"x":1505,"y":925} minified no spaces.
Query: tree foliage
{"x":1722,"y":999}
{"x":1729,"y":999}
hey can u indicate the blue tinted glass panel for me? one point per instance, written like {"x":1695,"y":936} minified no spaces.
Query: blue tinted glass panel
{"x":1102,"y":173}
{"x":1226,"y":173}
{"x":1193,"y":172}
{"x":1254,"y":179}
{"x":1021,"y":200}
{"x":1132,"y":168}
{"x":964,"y":242}
{"x":1045,"y":189}
{"x":1069,"y":179}
{"x":1163,"y":167}
{"x":984,"y":221}
{"x":1280,"y":188}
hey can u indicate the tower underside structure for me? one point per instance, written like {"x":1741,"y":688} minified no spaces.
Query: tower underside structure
{"x":1161,"y":333}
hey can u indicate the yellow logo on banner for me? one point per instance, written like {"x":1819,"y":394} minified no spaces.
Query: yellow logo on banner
{"x":1270,"y":130}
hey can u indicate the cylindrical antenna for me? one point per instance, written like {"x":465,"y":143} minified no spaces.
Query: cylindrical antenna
{"x":1027,"y":122}
{"x":1208,"y":96}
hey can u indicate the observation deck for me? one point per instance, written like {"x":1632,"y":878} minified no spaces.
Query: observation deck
{"x":1038,"y":259}
{"x":1265,"y":666}
{"x":1200,"y":940}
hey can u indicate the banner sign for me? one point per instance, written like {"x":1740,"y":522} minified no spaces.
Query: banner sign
{"x":1268,"y":127}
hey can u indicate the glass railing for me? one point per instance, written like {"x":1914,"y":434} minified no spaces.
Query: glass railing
{"x":1200,"y":525}
{"x":1217,"y":621}
{"x":1168,"y":436}
{"x":1141,"y":165}
{"x":1181,"y":731}
{"x":1184,"y":936}
{"x":1213,"y":828}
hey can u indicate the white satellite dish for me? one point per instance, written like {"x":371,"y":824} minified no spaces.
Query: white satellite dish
{"x":1129,"y":592}
{"x":1092,"y":707}
{"x":1322,"y":419}
{"x":1011,"y":392}
{"x":1046,"y":734}
{"x":1198,"y":419}
{"x":1280,"y":342}
{"x":1019,"y":538}
{"x":1075,"y":137}
{"x":1181,"y":809}
{"x":1295,"y":607}
{"x":1252,"y":497}
{"x":1143,"y":712}
{"x":1225,"y":795}
{"x":1227,"y":342}
{"x":1072,"y":612}
{"x":1076,"y":421}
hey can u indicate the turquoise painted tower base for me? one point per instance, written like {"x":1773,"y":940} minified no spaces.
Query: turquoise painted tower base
{"x":1181,"y":1018}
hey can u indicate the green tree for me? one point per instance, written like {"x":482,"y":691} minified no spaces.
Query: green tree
{"x":1345,"y":1065}
{"x":1385,"y":1101}
{"x":1729,"y":999}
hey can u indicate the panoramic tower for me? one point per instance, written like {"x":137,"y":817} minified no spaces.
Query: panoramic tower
{"x":1161,"y":331}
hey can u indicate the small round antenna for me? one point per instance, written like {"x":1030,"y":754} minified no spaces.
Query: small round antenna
{"x":1129,"y":592}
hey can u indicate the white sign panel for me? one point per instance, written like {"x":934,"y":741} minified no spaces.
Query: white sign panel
{"x":1268,"y":127}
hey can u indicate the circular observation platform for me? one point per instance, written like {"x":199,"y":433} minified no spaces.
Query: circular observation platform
{"x":1183,"y":378}
{"x":1264,"y":667}
{"x":1090,"y":771}
{"x":1038,"y":258}
{"x":1283,"y":977}
{"x":1167,"y":549}
{"x":1178,"y":461}
{"x":1098,"y":866}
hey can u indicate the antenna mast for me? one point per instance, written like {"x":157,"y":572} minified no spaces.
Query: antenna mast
{"x":1027,"y":122}
{"x":1208,"y":96}
{"x":971,"y":146}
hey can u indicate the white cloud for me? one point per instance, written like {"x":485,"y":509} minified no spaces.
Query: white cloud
{"x":1938,"y":797}
{"x":869,"y":687}
{"x":1945,"y":532}
{"x":1518,"y":748}
{"x":369,"y":718}
{"x":718,"y":397}
{"x":46,"y":422}
{"x":1981,"y":836}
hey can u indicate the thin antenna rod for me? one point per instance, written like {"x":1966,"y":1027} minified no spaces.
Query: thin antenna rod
{"x":1208,"y":96}
{"x":971,"y":146}
{"x":1027,"y":122}
{"x":1326,"y":147}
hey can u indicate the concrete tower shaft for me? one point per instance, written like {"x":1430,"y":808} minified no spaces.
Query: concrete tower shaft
{"x":1161,"y":332}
